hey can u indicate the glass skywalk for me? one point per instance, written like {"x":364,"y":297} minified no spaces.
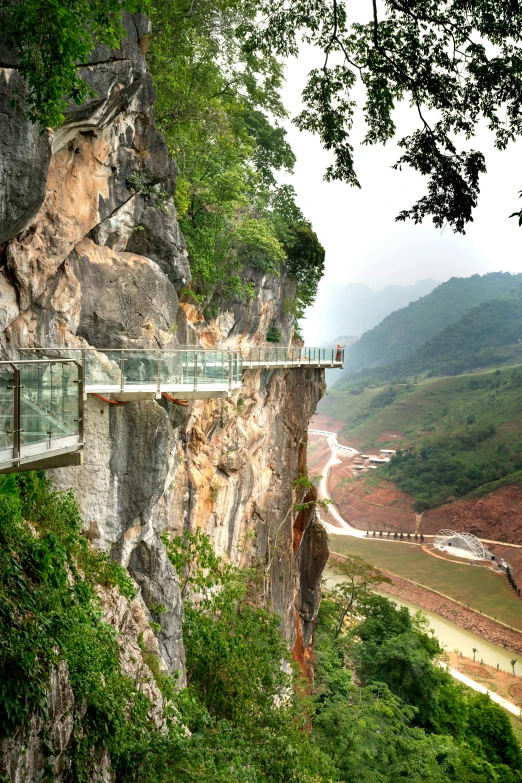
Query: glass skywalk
{"x":41,"y":413}
{"x":274,"y":356}
{"x":41,"y":399}
{"x":184,"y":372}
{"x":188,"y":373}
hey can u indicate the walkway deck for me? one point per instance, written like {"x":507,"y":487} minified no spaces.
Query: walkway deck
{"x":41,"y":414}
{"x":266,"y":357}
{"x":41,"y":397}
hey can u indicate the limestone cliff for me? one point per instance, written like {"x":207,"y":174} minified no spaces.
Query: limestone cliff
{"x":75,"y":272}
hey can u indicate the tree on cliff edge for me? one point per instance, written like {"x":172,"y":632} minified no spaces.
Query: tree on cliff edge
{"x":359,"y":580}
{"x":456,"y":62}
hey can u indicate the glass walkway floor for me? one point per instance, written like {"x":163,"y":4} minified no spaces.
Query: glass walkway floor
{"x":41,"y":399}
{"x":268,"y":356}
{"x":41,"y":414}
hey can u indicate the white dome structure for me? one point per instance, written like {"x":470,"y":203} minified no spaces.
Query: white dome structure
{"x":466,"y":542}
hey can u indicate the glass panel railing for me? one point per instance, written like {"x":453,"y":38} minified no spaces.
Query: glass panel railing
{"x":171,"y":368}
{"x":141,"y":368}
{"x":41,"y":409}
{"x":48,"y":403}
{"x":135,"y":370}
{"x":189,"y":367}
{"x":6,"y":412}
{"x":276,"y":355}
{"x":102,"y":368}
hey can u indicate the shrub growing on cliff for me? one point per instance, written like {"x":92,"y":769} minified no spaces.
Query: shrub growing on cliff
{"x":273,"y":335}
{"x":49,"y":613}
{"x":51,"y":39}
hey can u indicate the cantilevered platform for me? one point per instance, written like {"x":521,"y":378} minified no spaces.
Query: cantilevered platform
{"x":273,"y":357}
{"x":134,"y":374}
{"x":184,"y":373}
{"x":41,"y":414}
{"x":42,"y":396}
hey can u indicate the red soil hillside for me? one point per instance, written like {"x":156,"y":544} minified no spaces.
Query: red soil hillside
{"x":497,"y":516}
{"x":369,"y":507}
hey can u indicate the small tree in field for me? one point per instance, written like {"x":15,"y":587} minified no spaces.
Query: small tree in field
{"x":360,"y":578}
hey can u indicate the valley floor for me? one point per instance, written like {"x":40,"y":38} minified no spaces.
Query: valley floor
{"x":477,"y":599}
{"x":482,"y":590}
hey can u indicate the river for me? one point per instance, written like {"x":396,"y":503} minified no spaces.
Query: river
{"x":452,"y":637}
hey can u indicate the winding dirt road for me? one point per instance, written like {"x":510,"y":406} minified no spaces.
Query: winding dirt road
{"x":344,"y":529}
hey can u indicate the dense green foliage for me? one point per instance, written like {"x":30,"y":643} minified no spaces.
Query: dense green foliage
{"x":402,"y":333}
{"x":220,"y":111}
{"x":49,"y":613}
{"x":247,"y":720}
{"x":50,"y":38}
{"x":406,"y":719}
{"x":459,"y":434}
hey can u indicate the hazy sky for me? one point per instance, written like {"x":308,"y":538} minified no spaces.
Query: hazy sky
{"x":363,"y":242}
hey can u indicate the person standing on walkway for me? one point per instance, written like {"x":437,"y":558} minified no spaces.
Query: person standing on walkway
{"x":339,"y":353}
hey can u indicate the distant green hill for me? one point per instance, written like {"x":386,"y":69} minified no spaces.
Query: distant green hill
{"x":400,"y":334}
{"x":460,"y":434}
{"x":487,"y":335}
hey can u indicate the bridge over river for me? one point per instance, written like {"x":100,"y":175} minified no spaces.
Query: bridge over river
{"x":42,"y":395}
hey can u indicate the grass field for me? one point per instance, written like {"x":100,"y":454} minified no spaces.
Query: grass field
{"x":478,"y":588}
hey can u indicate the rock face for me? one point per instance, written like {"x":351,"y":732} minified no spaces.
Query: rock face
{"x":74,"y":271}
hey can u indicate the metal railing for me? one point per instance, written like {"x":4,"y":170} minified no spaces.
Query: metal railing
{"x":134,"y":370}
{"x":41,"y":410}
{"x":197,"y":372}
{"x":273,"y":356}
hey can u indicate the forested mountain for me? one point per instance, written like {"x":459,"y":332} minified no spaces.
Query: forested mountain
{"x":354,"y":308}
{"x":486,"y":336}
{"x":403,"y":332}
